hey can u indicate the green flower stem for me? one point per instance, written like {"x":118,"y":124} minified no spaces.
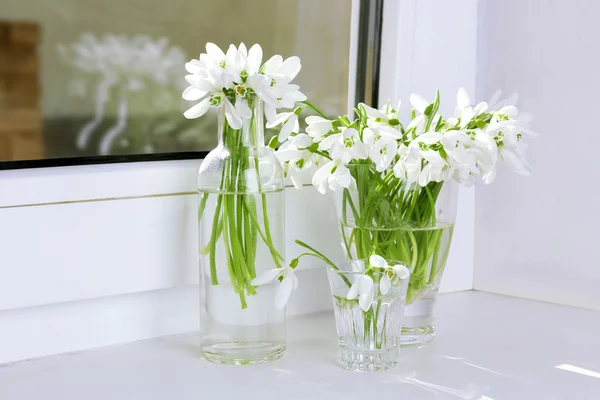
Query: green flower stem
{"x":236,"y":222}
{"x":321,"y":256}
{"x":315,"y":109}
{"x":397,"y":222}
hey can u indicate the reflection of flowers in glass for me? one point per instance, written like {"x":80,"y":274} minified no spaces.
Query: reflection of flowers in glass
{"x":127,"y":64}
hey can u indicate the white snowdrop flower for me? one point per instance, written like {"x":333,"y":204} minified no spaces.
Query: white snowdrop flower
{"x":318,"y":127}
{"x":288,"y":282}
{"x":344,"y":146}
{"x":391,"y":273}
{"x":289,"y":122}
{"x":218,"y":79}
{"x":362,"y":289}
{"x":381,"y":148}
{"x":296,"y":157}
{"x":333,"y":174}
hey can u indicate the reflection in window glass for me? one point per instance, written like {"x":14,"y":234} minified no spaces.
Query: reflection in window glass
{"x":104,"y":77}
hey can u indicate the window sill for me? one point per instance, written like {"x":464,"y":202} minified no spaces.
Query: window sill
{"x":489,"y":347}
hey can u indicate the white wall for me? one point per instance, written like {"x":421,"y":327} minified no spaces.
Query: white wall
{"x":98,"y":255}
{"x":537,"y":236}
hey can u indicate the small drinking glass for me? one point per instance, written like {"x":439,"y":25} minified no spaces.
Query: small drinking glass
{"x":369,"y":307}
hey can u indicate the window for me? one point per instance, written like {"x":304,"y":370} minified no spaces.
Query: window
{"x":103,"y":78}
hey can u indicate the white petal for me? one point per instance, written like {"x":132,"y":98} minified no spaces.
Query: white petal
{"x":266,"y":277}
{"x":242,"y":108}
{"x":313,"y":119}
{"x":329,"y":141}
{"x":286,"y":129}
{"x":385,"y":284}
{"x":198,"y":110}
{"x":286,"y":155}
{"x":429,"y":137}
{"x":302,"y":141}
{"x":424,"y":177}
{"x":290,"y":67}
{"x":353,"y":292}
{"x":279,"y":119}
{"x":494,"y":99}
{"x":372,"y":112}
{"x":231,"y":55}
{"x":418,"y":102}
{"x":193,"y":67}
{"x":401,"y":271}
{"x":233,"y":120}
{"x":284,"y":290}
{"x":321,"y":187}
{"x":193,"y":93}
{"x":489,"y":176}
{"x":514,"y":161}
{"x":377,"y":261}
{"x":254,"y":59}
{"x":242,"y":50}
{"x":466,"y":117}
{"x":270,"y":112}
{"x":480,"y":108}
{"x":322,"y":173}
{"x":462,"y":98}
{"x":359,"y":150}
{"x":350,"y":133}
{"x":273,"y":63}
{"x":214,"y":51}
{"x":365,"y":299}
{"x":365,"y":284}
{"x":343,"y":176}
{"x":296,"y":181}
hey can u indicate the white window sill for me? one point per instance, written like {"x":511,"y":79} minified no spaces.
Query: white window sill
{"x":489,"y":347}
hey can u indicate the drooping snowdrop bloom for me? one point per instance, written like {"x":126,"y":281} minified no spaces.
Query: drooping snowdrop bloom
{"x":382,"y":147}
{"x":333,"y":174}
{"x":289,"y":124}
{"x":344,"y":146}
{"x":408,"y":166}
{"x":362,"y":289}
{"x":385,"y":121}
{"x":391,"y":273}
{"x":288,"y":282}
{"x":464,"y":111}
{"x":434,"y":167}
{"x":296,"y":157}
{"x":318,"y":127}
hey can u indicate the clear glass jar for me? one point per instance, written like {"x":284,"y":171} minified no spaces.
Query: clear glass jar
{"x":368,"y":340}
{"x":241,"y":233}
{"x":380,"y":213}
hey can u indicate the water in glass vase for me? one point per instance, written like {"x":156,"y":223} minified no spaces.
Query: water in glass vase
{"x":241,"y":236}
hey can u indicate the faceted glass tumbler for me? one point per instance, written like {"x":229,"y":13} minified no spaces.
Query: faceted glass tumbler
{"x":368,"y":340}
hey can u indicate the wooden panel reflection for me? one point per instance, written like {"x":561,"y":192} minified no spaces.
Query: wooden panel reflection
{"x":20,"y":115}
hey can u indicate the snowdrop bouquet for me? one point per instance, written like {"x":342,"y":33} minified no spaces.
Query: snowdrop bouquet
{"x":242,"y":227}
{"x":236,"y":79}
{"x":389,"y":175}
